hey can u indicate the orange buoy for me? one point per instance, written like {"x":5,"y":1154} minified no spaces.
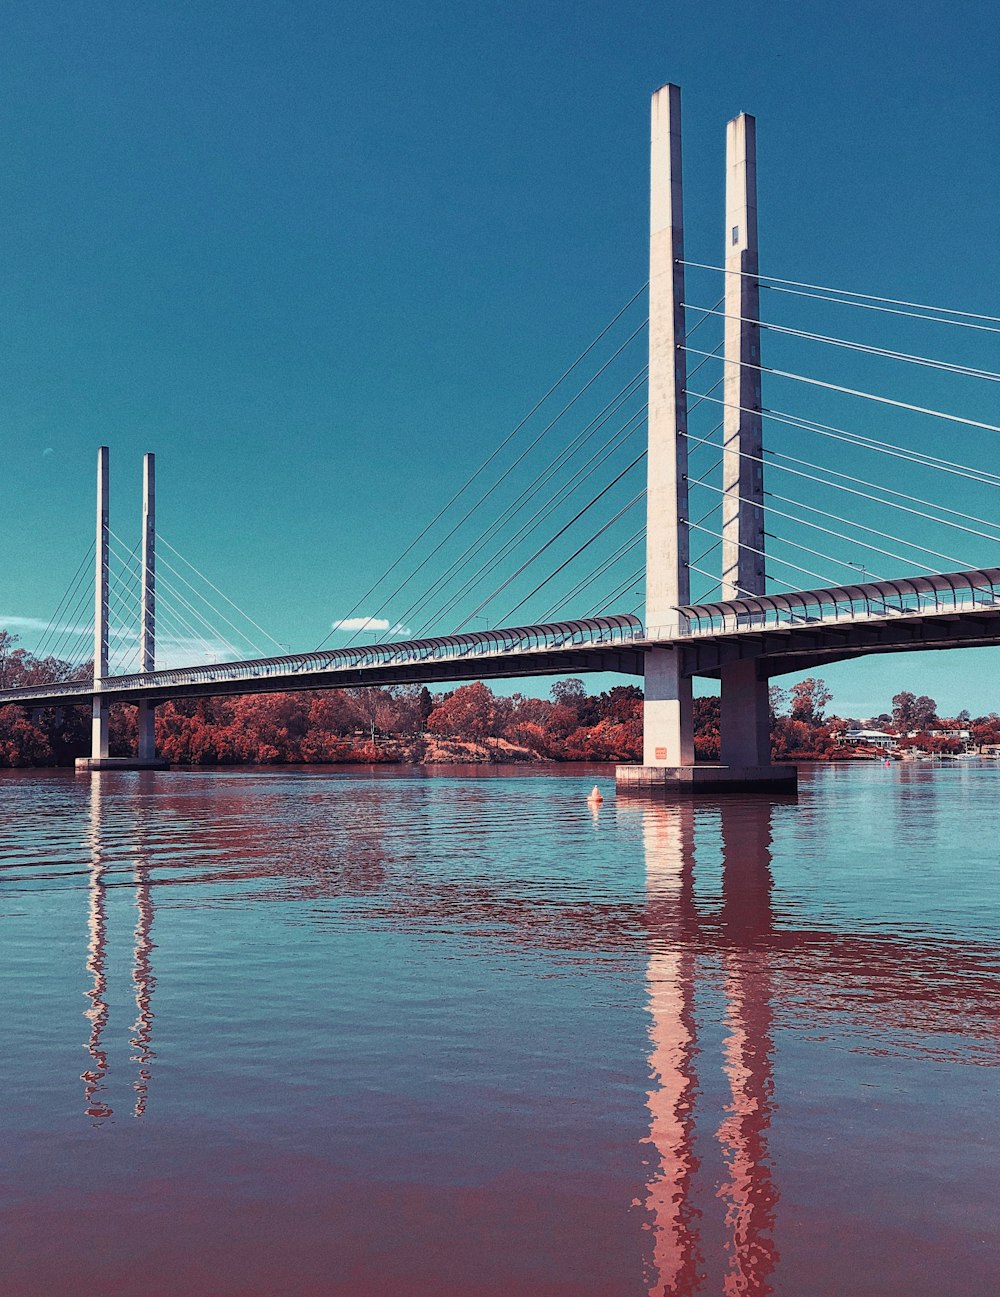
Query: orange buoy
{"x":595,"y":796}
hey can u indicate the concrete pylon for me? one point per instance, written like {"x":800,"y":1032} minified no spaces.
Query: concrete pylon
{"x":667,"y":722}
{"x":742,"y":471}
{"x":668,"y":745}
{"x":744,"y":712}
{"x":146,"y":720}
{"x":146,"y":758}
{"x":99,"y":723}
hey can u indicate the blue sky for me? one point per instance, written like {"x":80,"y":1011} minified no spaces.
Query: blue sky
{"x":322,"y":259}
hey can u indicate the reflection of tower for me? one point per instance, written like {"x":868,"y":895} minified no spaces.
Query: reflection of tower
{"x":749,"y":1191}
{"x":669,"y":846}
{"x":142,"y":979}
{"x":93,"y":1077}
{"x":676,"y":935}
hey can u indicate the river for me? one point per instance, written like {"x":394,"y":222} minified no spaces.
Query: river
{"x":457,"y":1032}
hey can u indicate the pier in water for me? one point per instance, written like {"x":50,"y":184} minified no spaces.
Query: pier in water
{"x":460,"y":1033}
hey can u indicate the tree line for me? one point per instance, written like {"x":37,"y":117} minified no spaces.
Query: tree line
{"x":411,"y":724}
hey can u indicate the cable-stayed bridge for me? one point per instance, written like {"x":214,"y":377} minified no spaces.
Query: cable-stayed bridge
{"x":833,"y":560}
{"x":781,"y":633}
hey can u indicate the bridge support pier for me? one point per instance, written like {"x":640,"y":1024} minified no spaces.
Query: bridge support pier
{"x":668,"y":743}
{"x":744,"y":717}
{"x":146,"y":732}
{"x":99,"y":730}
{"x":99,"y":759}
{"x":667,"y":720}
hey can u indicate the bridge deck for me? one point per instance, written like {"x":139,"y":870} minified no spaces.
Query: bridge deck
{"x":785,"y":633}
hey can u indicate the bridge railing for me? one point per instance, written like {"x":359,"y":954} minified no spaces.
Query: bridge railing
{"x":591,"y":632}
{"x":940,"y":594}
{"x":922,"y":596}
{"x":60,"y":689}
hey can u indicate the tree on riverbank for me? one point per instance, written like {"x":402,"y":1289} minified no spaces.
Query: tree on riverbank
{"x":410,"y":724}
{"x":47,"y":736}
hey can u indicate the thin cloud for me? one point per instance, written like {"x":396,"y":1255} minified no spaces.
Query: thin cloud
{"x":361,"y":623}
{"x":175,"y":652}
{"x":11,"y":622}
{"x":370,"y":624}
{"x":172,"y":650}
{"x":23,"y":623}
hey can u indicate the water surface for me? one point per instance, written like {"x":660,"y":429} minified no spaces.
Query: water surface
{"x":458,"y":1033}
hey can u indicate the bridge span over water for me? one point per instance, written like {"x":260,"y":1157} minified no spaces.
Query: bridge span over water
{"x":754,"y":630}
{"x":778,"y":633}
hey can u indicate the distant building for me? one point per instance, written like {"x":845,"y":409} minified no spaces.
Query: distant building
{"x":868,"y":739}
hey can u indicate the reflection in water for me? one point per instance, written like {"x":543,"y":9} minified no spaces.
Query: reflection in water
{"x":93,"y":1077}
{"x":747,"y":1191}
{"x":141,"y":1039}
{"x":143,"y":980}
{"x":481,"y":1020}
{"x":668,"y":841}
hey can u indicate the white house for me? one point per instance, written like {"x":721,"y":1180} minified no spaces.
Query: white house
{"x":869,"y":738}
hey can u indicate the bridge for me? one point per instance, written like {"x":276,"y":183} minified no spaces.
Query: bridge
{"x":751,"y":631}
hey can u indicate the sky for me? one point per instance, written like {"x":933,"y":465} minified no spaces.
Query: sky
{"x":323,"y":259}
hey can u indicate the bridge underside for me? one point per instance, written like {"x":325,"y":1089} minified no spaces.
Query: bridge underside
{"x":801,"y":648}
{"x":557,"y":662}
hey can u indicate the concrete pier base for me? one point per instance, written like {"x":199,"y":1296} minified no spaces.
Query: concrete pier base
{"x":121,"y":763}
{"x":647,"y":780}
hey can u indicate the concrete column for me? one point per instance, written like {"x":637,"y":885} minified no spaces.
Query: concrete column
{"x":745,"y":724}
{"x":146,"y":724}
{"x":743,"y":481}
{"x":146,"y":710}
{"x":667,"y":722}
{"x":745,"y":717}
{"x":99,"y":722}
{"x":667,"y":710}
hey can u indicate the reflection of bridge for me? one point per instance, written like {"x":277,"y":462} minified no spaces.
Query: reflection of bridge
{"x":749,"y":635}
{"x":715,"y":1183}
{"x":905,"y":996}
{"x":720,"y":948}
